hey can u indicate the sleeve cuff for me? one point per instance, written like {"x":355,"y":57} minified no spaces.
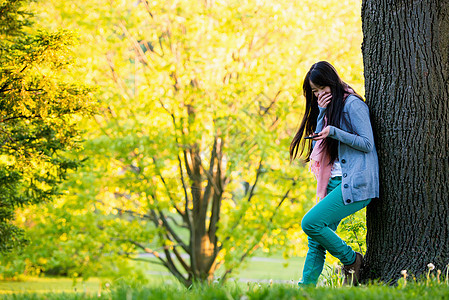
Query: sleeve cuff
{"x":331,"y":131}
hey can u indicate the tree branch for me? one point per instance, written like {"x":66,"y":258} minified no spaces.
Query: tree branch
{"x":250,"y":249}
{"x":249,"y":197}
{"x":147,"y":7}
{"x":167,"y":189}
{"x":148,"y":250}
{"x":184,"y":187}
{"x":171,"y":266}
{"x":181,"y":260}
{"x":259,"y":171}
{"x":273,"y":101}
{"x":210,"y":181}
{"x":216,"y":200}
{"x":145,"y":260}
{"x":20,"y":117}
{"x":172,"y":232}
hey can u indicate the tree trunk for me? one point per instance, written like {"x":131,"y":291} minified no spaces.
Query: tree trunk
{"x":406,"y":61}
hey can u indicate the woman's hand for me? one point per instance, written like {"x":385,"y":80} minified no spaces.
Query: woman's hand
{"x":324,"y":99}
{"x":323,"y":134}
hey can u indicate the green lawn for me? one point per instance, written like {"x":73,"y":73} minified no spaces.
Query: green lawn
{"x":41,"y":285}
{"x":252,"y":291}
{"x":262,"y":269}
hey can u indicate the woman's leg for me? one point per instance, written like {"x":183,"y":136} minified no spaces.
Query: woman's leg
{"x":316,"y":224}
{"x":316,"y":255}
{"x":313,"y":266}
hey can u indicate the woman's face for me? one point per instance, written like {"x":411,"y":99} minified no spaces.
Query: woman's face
{"x":320,"y":90}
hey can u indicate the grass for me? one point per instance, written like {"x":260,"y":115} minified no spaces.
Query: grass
{"x":45,"y":285}
{"x":261,"y":269}
{"x":251,"y":291}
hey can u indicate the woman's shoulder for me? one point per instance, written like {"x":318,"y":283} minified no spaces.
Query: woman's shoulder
{"x":354,"y":102}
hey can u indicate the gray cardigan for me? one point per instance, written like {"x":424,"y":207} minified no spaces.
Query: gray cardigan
{"x":356,"y":151}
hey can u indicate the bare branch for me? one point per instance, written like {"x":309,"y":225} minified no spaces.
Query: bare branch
{"x":217,"y":198}
{"x":273,"y":101}
{"x":176,"y":222}
{"x":167,"y":189}
{"x":148,"y":250}
{"x":115,"y":76}
{"x":249,"y":251}
{"x":184,"y":187}
{"x":257,"y":243}
{"x":147,"y":7}
{"x":172,"y":232}
{"x":211,"y":182}
{"x":181,"y":260}
{"x":136,"y":45}
{"x":172,"y":267}
{"x":20,"y":117}
{"x":145,"y":260}
{"x":250,"y":194}
{"x":259,"y":171}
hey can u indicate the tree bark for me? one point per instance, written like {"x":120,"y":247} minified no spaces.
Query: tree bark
{"x":406,"y":61}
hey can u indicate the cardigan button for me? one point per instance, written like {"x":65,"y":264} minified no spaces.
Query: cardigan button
{"x":348,"y":201}
{"x":346,"y":186}
{"x":345,"y":175}
{"x":343,"y":161}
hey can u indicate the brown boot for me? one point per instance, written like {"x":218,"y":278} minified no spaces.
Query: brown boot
{"x":352,"y":272}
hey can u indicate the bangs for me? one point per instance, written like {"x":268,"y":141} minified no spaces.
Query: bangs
{"x":318,"y":79}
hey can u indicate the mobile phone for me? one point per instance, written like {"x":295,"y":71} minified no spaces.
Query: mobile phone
{"x":311,"y":137}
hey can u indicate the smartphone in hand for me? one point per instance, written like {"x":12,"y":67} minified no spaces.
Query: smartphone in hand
{"x":311,"y":137}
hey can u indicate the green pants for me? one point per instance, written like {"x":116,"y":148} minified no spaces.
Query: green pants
{"x":320,"y":224}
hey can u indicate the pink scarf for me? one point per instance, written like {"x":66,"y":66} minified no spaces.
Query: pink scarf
{"x":321,"y":167}
{"x":320,"y":162}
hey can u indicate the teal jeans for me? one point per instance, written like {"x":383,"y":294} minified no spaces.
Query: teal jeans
{"x":320,"y":224}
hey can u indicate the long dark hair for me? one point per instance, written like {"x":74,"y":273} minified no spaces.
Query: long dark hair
{"x":321,"y":74}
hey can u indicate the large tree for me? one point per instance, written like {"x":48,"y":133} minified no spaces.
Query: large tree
{"x":406,"y":60}
{"x":38,"y":110}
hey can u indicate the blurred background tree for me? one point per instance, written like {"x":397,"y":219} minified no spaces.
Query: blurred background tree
{"x":39,"y":108}
{"x":188,"y":157}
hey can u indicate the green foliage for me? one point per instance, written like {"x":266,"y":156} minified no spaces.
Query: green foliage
{"x":177,"y":78}
{"x":353,"y":229}
{"x":38,"y":111}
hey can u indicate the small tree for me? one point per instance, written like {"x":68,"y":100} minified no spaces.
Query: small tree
{"x":37,"y":110}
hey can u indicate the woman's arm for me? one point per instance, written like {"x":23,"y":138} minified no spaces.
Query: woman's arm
{"x":320,"y":119}
{"x":319,"y":122}
{"x":363,"y":138}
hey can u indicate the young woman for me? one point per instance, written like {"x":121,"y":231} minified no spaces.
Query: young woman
{"x":344,"y":160}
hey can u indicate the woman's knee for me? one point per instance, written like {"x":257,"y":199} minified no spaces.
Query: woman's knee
{"x":309,"y":224}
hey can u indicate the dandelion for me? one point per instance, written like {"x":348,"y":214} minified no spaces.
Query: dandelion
{"x":447,"y":273}
{"x":431,"y":266}
{"x":352,"y":276}
{"x":271,"y":282}
{"x":438,"y":275}
{"x":404,"y":274}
